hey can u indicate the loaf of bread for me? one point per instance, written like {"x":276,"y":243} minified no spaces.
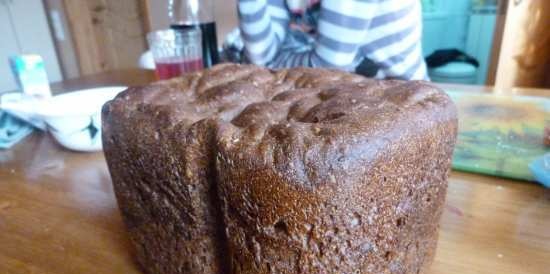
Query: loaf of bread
{"x":239,"y":169}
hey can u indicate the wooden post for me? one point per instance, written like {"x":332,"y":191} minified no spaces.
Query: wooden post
{"x":525,"y":48}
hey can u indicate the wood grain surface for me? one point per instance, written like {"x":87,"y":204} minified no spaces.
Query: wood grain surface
{"x":524,"y":52}
{"x":58,"y":213}
{"x":107,"y":34}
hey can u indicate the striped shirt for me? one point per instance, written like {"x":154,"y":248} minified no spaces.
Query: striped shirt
{"x":387,"y":32}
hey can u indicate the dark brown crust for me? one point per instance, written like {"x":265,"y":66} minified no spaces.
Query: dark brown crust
{"x":239,"y":169}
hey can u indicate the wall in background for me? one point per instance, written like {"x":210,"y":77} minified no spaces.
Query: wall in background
{"x":480,"y":38}
{"x":24,"y":30}
{"x":158,"y":14}
{"x":8,"y":47}
{"x":445,"y":24}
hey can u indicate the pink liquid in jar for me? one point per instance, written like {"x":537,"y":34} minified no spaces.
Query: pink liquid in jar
{"x":174,"y":68}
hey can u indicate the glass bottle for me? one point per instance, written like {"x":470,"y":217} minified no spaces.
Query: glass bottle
{"x":197,"y":14}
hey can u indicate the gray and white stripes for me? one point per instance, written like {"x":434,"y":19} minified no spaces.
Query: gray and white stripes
{"x":388,"y":32}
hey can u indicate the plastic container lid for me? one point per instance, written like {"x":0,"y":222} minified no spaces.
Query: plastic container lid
{"x":455,"y":70}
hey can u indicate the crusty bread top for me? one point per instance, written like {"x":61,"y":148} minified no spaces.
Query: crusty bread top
{"x":320,"y":119}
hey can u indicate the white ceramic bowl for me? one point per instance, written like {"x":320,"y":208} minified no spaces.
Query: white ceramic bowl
{"x":73,"y":119}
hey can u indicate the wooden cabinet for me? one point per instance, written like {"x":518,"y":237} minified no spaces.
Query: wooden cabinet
{"x":24,"y":30}
{"x":107,"y":34}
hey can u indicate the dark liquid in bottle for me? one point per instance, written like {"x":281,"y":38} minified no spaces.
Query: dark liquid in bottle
{"x":210,"y":54}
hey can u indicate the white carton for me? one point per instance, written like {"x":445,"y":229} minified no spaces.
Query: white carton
{"x":30,"y":73}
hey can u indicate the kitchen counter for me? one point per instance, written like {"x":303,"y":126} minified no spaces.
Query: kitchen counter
{"x":58,"y":213}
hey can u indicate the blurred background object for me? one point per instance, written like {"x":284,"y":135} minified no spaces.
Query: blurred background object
{"x":225,"y":14}
{"x":508,"y":38}
{"x":464,"y":25}
{"x":176,"y":51}
{"x":190,"y":14}
{"x":106,"y":34}
{"x":524,"y":58}
{"x":24,"y":29}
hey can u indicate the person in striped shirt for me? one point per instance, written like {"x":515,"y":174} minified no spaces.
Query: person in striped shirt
{"x":342,"y":34}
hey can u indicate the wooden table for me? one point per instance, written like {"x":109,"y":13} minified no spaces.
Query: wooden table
{"x":58,"y":213}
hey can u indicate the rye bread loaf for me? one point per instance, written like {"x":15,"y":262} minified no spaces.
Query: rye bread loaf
{"x":239,"y":169}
